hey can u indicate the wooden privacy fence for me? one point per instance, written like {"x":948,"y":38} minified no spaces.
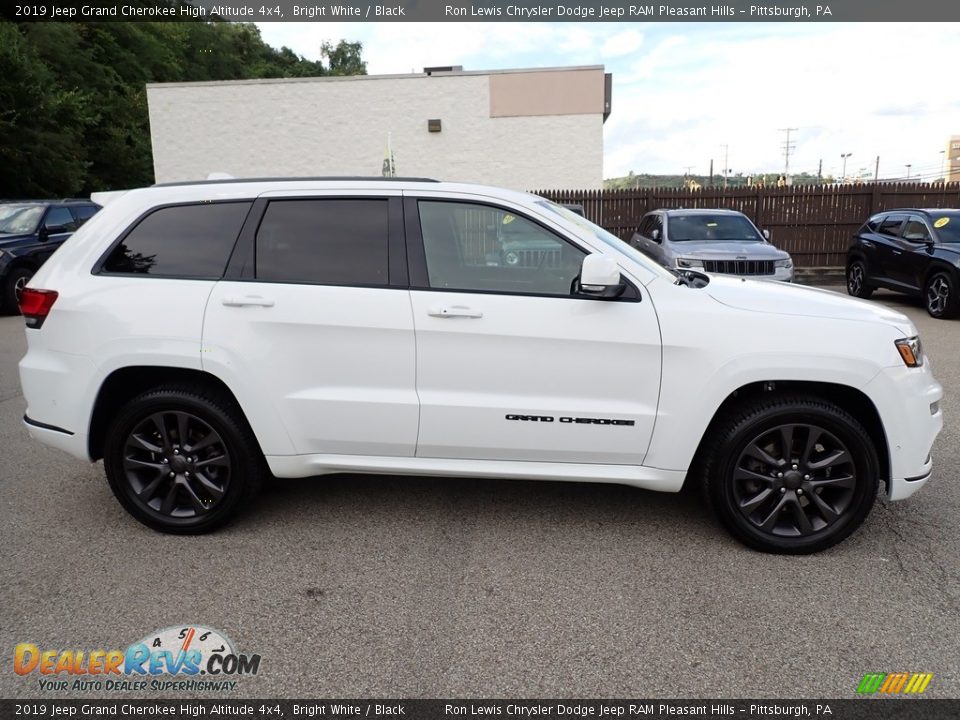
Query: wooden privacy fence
{"x":814,"y":223}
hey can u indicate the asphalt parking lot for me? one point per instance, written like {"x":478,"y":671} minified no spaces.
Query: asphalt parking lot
{"x":353,"y":586}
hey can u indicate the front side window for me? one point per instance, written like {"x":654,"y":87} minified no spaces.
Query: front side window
{"x":83,"y":213}
{"x":335,"y":241}
{"x":482,"y":248}
{"x":184,"y":241}
{"x":59,"y":220}
{"x":915,"y":230}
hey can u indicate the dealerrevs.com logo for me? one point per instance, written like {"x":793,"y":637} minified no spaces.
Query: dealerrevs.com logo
{"x":898,"y":683}
{"x":189,"y":658}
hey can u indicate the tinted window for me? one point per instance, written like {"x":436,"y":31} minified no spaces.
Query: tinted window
{"x":83,"y":212}
{"x":873,"y":224}
{"x":890,"y":226}
{"x":189,"y":241}
{"x":915,"y":230}
{"x":59,"y":219}
{"x":646,"y":225}
{"x":478,"y":247}
{"x":947,"y":226}
{"x":334,"y":242}
{"x":703,"y":227}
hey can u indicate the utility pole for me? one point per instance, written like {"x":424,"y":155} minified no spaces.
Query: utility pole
{"x":726,"y":163}
{"x":843,"y":175}
{"x":788,"y":147}
{"x":711,"y":172}
{"x":820,"y":172}
{"x":876,"y":171}
{"x":942,"y":156}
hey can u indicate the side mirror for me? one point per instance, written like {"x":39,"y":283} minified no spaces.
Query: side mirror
{"x":766,"y":234}
{"x":600,"y":277}
{"x":655,"y":235}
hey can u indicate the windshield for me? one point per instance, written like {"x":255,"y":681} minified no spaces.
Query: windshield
{"x":17,"y":219}
{"x":605,"y":237}
{"x":704,"y":227}
{"x":947,"y":225}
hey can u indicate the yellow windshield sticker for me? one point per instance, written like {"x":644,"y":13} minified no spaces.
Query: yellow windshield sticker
{"x":941,"y":222}
{"x":507,"y":219}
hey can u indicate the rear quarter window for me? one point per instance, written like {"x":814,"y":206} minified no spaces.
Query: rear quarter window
{"x":184,"y":241}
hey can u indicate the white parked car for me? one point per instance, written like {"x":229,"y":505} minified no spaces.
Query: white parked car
{"x":201,"y":337}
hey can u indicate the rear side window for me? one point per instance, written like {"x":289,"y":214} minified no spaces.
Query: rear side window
{"x":184,"y":241}
{"x":83,"y":212}
{"x":334,"y":241}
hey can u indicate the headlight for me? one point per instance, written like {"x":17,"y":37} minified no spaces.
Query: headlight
{"x":788,"y":263}
{"x":688,"y":263}
{"x":911,"y":351}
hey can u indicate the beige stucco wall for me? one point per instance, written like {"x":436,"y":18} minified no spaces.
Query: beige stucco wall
{"x":339,"y":126}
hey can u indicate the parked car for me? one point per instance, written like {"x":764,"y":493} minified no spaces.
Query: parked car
{"x":200,"y":338}
{"x":912,"y":251}
{"x":30,"y":230}
{"x":716,"y":241}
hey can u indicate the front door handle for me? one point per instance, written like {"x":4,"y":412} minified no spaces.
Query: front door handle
{"x":898,"y":252}
{"x":246,"y":300}
{"x":445,"y":311}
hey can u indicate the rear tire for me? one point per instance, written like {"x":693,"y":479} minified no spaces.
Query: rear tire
{"x":12,"y":287}
{"x":940,"y":296}
{"x":792,"y":475}
{"x":182,"y":459}
{"x":857,"y":280}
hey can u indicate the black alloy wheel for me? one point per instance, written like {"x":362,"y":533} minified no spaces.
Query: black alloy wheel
{"x":182,"y":458}
{"x":940,"y":296}
{"x":789,"y":474}
{"x":857,"y":280}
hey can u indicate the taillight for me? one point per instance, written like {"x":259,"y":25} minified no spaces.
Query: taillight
{"x":35,"y":305}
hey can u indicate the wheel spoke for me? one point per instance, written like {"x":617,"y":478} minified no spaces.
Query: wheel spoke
{"x":839,"y":481}
{"x":212,"y":488}
{"x":826,"y":510}
{"x":194,"y":498}
{"x":166,"y":507}
{"x":835,"y":458}
{"x":786,"y":443}
{"x":150,"y":490}
{"x":750,"y":505}
{"x":771,"y":520}
{"x":758,"y":453}
{"x":158,"y":421}
{"x":812,"y":437}
{"x":210,"y":438}
{"x":143,"y":443}
{"x":157,"y":467}
{"x":744,"y":474}
{"x":800,"y":516}
{"x":182,"y":429}
{"x":220,"y":460}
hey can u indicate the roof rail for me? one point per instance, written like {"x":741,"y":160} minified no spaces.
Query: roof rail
{"x":341,"y":178}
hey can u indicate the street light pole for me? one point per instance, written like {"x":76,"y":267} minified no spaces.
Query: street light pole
{"x":909,"y":165}
{"x":844,"y":174}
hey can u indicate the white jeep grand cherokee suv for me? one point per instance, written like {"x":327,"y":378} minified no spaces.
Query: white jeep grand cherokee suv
{"x":199,"y":337}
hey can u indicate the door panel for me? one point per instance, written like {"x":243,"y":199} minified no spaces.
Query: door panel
{"x":914,"y":258}
{"x":337,"y":363}
{"x":510,"y":364}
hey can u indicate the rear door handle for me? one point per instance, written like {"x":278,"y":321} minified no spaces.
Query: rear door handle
{"x":898,"y":252}
{"x":246,"y":300}
{"x":454,"y":311}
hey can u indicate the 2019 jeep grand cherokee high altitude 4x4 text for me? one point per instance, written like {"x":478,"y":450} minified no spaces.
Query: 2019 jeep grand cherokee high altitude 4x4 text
{"x":201,"y":337}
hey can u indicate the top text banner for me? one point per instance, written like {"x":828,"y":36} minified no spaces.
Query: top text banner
{"x":490,"y":11}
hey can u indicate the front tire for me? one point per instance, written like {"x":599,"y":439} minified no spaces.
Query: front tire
{"x":940,"y":296}
{"x":182,"y":459}
{"x":791,"y":475}
{"x":857,"y":280}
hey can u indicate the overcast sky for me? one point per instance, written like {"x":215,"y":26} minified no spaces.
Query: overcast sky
{"x":682,"y":90}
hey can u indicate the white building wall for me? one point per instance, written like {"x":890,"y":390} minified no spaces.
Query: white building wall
{"x":339,"y":126}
